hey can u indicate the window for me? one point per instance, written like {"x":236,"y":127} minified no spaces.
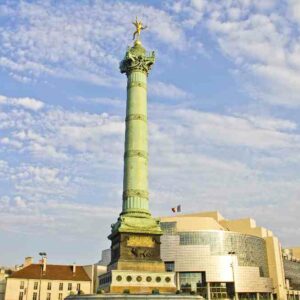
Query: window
{"x":61,"y":286}
{"x":22,"y":283}
{"x":35,"y":285}
{"x":78,"y":287}
{"x":170,"y":266}
{"x":169,"y":228}
{"x":69,"y":286}
{"x":48,"y":296}
{"x":189,"y":281}
{"x":60,"y":296}
{"x":21,"y":295}
{"x":49,"y":286}
{"x":34,"y":296}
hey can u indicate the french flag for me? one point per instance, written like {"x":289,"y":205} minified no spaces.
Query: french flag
{"x":176,"y":209}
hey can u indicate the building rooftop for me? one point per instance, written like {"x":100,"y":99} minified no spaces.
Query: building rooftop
{"x":53,"y":272}
{"x":213,"y":220}
{"x":193,"y":223}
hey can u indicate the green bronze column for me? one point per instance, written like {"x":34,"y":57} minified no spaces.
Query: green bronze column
{"x":136,"y":65}
{"x":135,"y":215}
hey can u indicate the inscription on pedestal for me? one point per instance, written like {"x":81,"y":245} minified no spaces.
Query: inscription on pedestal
{"x":140,"y":241}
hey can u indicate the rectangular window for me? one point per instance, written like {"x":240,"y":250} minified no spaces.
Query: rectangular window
{"x":78,"y":287}
{"x":34,"y":296}
{"x":22,"y":283}
{"x":60,"y":296}
{"x":61,"y":286}
{"x":35,"y":285}
{"x":168,"y":228}
{"x":49,"y":286}
{"x":170,"y":266}
{"x":21,"y":295}
{"x":48,"y":296}
{"x":69,"y":286}
{"x":190,"y":280}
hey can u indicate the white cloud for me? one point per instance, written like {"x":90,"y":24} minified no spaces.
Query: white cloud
{"x":10,"y":142}
{"x":167,"y":91}
{"x":31,"y":217}
{"x":262,"y":45}
{"x":79,"y":41}
{"x":70,"y":164}
{"x":294,"y":10}
{"x":82,"y":42}
{"x":260,"y":38}
{"x":28,"y":103}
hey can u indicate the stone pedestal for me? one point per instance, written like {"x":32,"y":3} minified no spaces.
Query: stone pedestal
{"x":138,"y":282}
{"x":136,"y":266}
{"x":136,"y":251}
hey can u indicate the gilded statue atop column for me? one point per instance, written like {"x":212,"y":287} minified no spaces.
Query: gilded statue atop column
{"x":138,"y":28}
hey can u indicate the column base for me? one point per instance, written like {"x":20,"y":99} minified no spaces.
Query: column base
{"x":137,"y":282}
{"x":136,"y":223}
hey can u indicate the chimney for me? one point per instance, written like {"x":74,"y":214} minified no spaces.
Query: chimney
{"x":28,"y":261}
{"x":44,"y":264}
{"x":74,"y":268}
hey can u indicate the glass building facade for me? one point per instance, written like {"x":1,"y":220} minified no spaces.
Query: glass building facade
{"x":250,"y":250}
{"x":223,"y":264}
{"x":292,"y":273}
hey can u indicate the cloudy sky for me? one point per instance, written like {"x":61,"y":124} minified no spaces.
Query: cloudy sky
{"x":224,"y":117}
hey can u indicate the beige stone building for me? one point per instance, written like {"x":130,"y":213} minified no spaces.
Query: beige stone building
{"x":48,"y":282}
{"x":4,"y":273}
{"x":220,"y":258}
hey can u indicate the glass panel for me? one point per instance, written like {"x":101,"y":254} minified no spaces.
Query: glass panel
{"x":170,"y":266}
{"x":189,"y":281}
{"x":168,"y":227}
{"x":250,"y":250}
{"x":292,"y":273}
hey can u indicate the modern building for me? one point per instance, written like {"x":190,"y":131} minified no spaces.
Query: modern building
{"x":219,"y":258}
{"x":48,"y":282}
{"x":291,"y":264}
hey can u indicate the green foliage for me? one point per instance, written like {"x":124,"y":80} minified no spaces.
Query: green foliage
{"x":126,"y":291}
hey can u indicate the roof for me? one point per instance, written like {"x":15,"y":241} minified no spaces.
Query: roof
{"x":53,"y":272}
{"x":193,"y":222}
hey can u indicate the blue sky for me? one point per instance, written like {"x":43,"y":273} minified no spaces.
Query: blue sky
{"x":224,"y":98}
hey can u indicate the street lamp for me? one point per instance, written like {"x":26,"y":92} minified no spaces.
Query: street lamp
{"x":43,"y":255}
{"x":231,"y":253}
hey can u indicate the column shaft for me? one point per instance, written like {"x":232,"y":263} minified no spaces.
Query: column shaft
{"x":135,"y":184}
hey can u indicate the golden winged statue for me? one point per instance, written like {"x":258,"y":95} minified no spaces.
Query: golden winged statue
{"x":138,"y":28}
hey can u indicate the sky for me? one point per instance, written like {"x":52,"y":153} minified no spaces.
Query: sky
{"x":224,"y":117}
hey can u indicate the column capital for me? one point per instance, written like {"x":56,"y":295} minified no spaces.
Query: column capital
{"x":137,"y":59}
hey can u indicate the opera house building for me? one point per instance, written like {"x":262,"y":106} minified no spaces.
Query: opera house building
{"x":219,"y":258}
